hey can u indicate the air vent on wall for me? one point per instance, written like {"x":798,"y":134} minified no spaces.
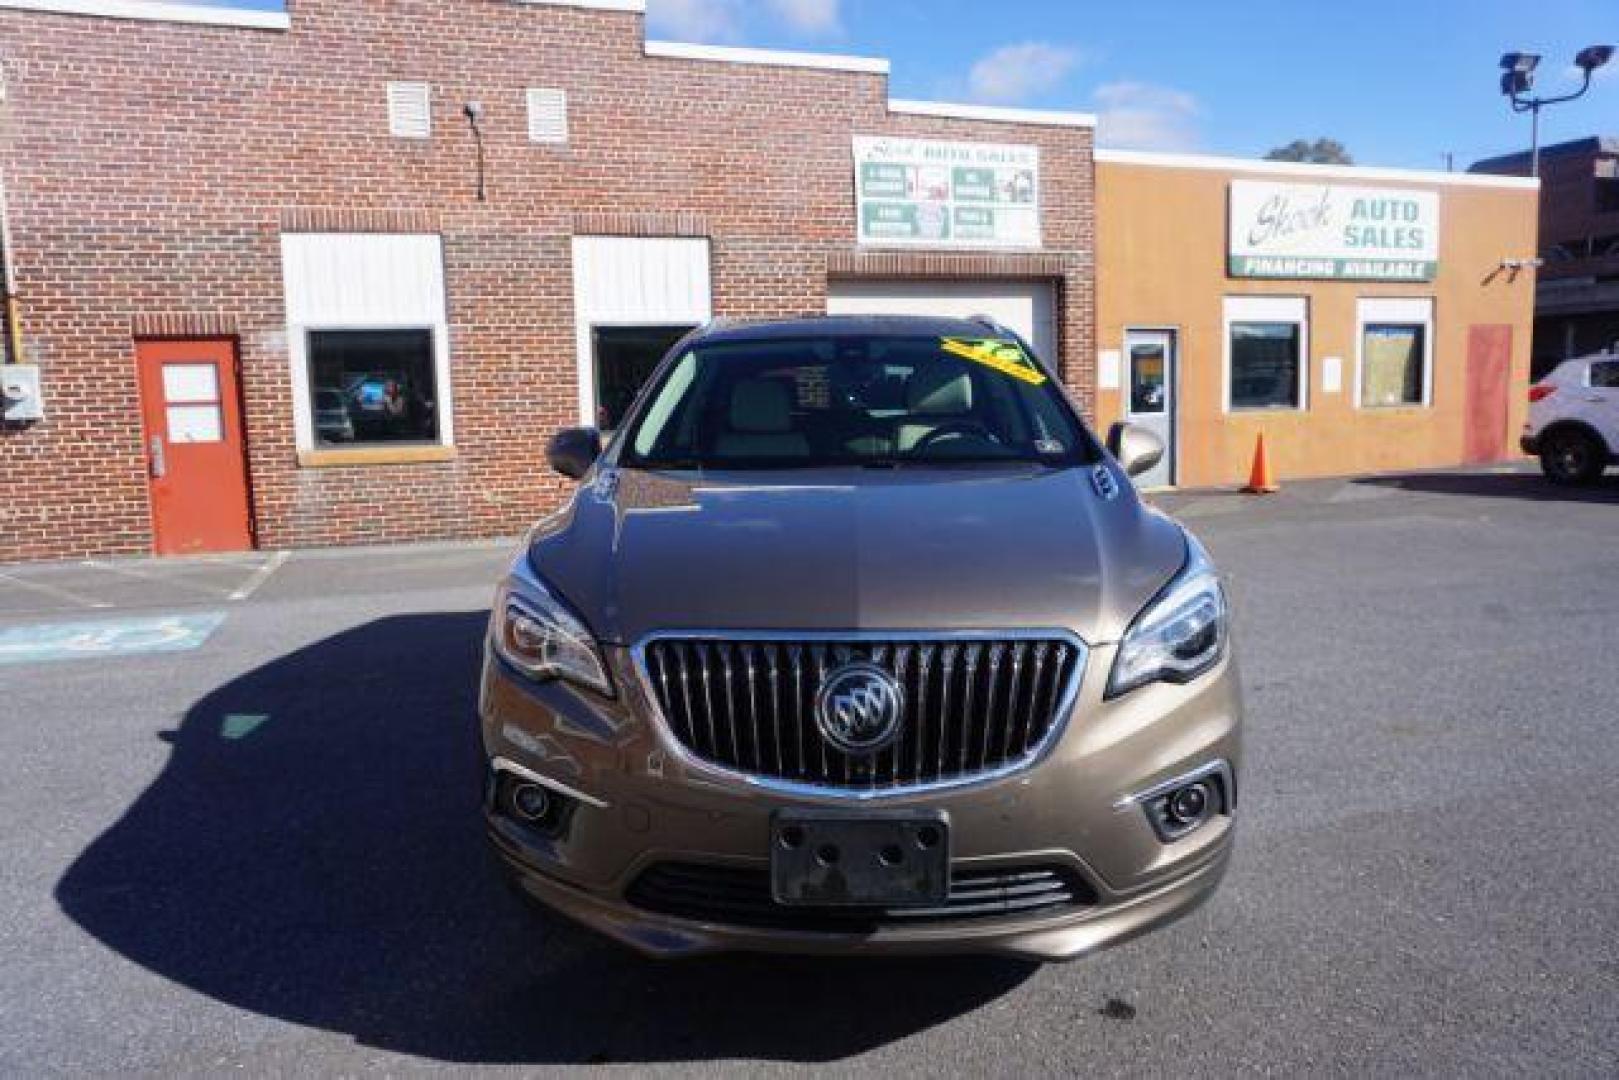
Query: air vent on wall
{"x":548,"y":116}
{"x":410,"y":110}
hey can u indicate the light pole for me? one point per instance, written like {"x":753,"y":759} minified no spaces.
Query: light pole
{"x":1518,"y":78}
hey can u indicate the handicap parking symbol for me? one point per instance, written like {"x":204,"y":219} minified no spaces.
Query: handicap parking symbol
{"x":107,"y":637}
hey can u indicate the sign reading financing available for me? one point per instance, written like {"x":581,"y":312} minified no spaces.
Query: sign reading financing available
{"x":1332,"y":231}
{"x":920,"y":193}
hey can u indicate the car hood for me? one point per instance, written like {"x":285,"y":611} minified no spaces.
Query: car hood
{"x":978,"y":548}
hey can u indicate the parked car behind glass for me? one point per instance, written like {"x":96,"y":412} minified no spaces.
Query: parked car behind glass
{"x":332,"y":420}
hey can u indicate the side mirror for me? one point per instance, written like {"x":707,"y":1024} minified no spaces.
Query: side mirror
{"x":1136,"y":448}
{"x":574,"y":450}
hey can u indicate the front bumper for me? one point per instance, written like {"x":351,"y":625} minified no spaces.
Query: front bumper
{"x":1530,"y":445}
{"x":634,"y":803}
{"x":1045,"y":938}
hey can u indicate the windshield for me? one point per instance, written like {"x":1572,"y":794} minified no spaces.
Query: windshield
{"x":880,"y":400}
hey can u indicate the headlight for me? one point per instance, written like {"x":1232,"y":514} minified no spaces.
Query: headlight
{"x":1178,"y":636}
{"x":534,"y":631}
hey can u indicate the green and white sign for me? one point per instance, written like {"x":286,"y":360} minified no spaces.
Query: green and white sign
{"x":922,"y":193}
{"x":1332,"y":231}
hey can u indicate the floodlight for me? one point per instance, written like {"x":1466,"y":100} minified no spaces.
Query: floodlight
{"x":1521,"y":63}
{"x":1592,"y":57}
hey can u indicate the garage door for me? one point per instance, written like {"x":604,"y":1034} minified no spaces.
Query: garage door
{"x":1027,"y":307}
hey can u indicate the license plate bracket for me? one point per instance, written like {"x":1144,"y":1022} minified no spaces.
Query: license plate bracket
{"x":822,"y":858}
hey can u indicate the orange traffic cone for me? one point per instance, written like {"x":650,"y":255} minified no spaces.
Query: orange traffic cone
{"x":1260,"y":480}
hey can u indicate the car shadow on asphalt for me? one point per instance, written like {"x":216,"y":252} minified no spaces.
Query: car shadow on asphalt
{"x":1499,"y":485}
{"x":313,"y":852}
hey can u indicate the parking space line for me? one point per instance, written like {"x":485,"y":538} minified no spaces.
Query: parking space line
{"x":211,"y":592}
{"x":260,"y":576}
{"x":54,"y":591}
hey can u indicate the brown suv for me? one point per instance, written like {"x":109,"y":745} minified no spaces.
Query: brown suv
{"x":854,"y":639}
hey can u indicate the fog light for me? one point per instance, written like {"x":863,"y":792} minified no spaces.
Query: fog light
{"x":1179,"y":807}
{"x":529,"y":807}
{"x":1189,"y":805}
{"x":530,"y":802}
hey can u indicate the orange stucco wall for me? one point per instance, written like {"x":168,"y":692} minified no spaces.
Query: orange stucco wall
{"x":1161,"y":258}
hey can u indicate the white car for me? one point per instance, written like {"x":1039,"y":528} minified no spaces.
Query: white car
{"x":1573,"y":424}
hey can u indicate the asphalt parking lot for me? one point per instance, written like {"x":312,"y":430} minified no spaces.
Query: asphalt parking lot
{"x":244,"y":834}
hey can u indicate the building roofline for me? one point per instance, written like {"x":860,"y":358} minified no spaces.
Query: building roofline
{"x":159,"y":11}
{"x":1306,"y":169}
{"x":178,"y":11}
{"x":730,"y":54}
{"x":636,"y":7}
{"x":1597,"y":144}
{"x":997,"y":113}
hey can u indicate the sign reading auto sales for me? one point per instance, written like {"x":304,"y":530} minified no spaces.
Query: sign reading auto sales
{"x":924,"y":193}
{"x":1332,"y":231}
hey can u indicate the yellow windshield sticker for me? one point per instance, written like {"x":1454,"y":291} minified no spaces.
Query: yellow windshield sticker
{"x":1007,"y":357}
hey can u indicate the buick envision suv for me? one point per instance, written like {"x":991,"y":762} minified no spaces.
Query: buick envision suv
{"x":853,"y":638}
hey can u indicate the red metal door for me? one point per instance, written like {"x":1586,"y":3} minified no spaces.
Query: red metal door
{"x":192,"y":414}
{"x":1489,"y":374}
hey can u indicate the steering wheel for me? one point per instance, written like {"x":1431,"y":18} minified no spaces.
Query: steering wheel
{"x":957,"y":428}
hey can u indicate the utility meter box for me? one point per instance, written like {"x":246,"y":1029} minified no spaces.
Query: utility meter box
{"x":19,"y":392}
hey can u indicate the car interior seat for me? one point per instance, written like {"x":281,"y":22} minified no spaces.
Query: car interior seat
{"x":759,"y":422}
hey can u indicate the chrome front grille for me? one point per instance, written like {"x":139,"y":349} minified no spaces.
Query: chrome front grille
{"x":971,"y":705}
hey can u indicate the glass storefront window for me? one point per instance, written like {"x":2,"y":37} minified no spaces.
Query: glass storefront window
{"x":1395,"y":368}
{"x":372,"y":386}
{"x":1392,"y":364}
{"x":1265,"y":363}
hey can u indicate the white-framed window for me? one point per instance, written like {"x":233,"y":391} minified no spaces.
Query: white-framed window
{"x":368,"y":340}
{"x":1267,"y":353}
{"x":633,"y":298}
{"x":1394,"y":353}
{"x":410,"y":110}
{"x":547,"y":115}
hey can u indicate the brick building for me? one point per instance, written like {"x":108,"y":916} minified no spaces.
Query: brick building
{"x":281,"y":287}
{"x":1577,"y":300}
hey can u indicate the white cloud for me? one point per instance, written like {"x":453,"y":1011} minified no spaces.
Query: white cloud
{"x":1146,"y":116}
{"x":696,"y":20}
{"x":810,"y":18}
{"x":1016,"y":73}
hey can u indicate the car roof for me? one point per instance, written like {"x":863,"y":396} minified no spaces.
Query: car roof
{"x":848,"y":326}
{"x":1576,"y":362}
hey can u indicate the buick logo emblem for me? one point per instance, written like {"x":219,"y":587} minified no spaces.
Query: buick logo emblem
{"x":859,"y":708}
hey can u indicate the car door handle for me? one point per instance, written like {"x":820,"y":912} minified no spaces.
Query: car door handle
{"x":156,"y":462}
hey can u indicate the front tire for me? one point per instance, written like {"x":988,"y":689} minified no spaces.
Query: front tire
{"x":1572,"y":457}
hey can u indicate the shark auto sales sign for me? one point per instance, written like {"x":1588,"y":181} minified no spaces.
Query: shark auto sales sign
{"x":1332,"y":231}
{"x":925,"y":193}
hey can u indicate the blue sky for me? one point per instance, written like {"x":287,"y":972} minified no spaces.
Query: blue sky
{"x":1400,"y":82}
